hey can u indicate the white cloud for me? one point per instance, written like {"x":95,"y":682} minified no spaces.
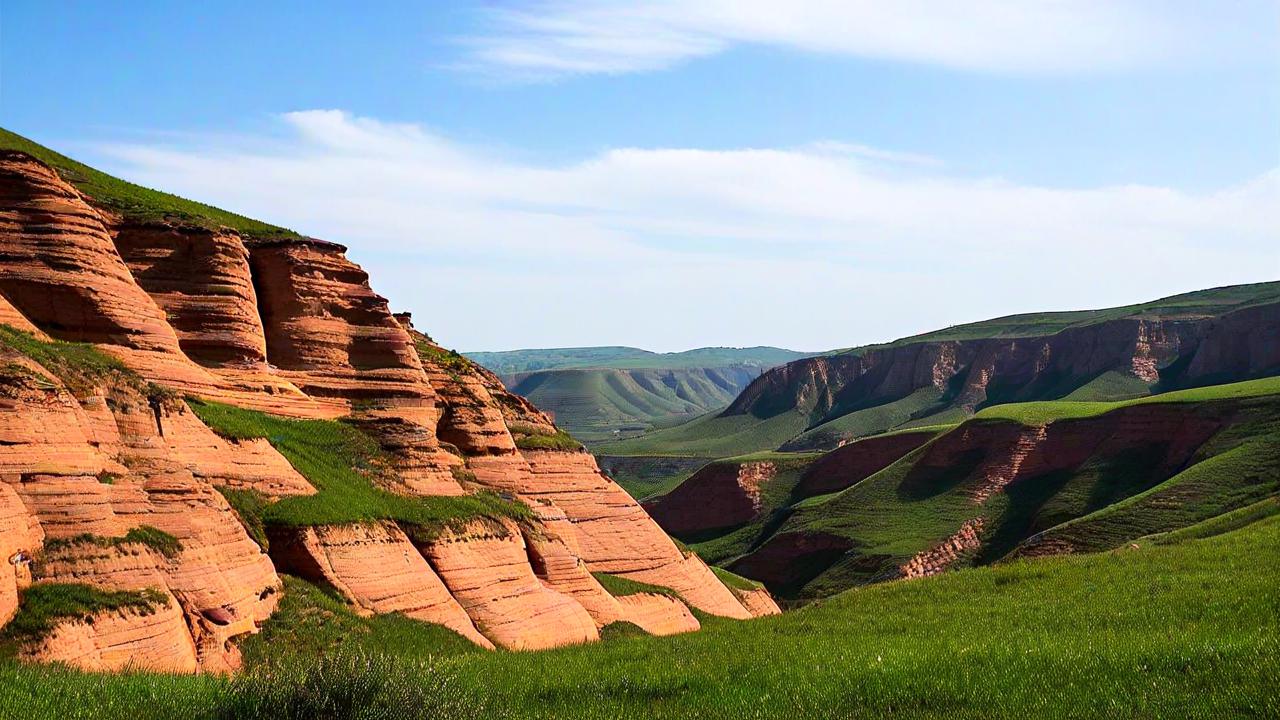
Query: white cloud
{"x":550,"y":38}
{"x":823,"y":245}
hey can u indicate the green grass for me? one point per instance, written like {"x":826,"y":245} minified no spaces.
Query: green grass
{"x":1220,"y":524}
{"x":618,"y":586}
{"x":450,"y":361}
{"x":80,"y":366}
{"x":867,"y":421}
{"x":1201,"y":303}
{"x":250,"y":507}
{"x":559,"y":440}
{"x":135,"y":202}
{"x":1039,"y":413}
{"x":1110,"y":386}
{"x":1231,"y":472}
{"x":649,"y":477}
{"x":712,"y":436}
{"x":154,"y":538}
{"x":311,"y":620}
{"x":734,"y":581}
{"x":1166,"y":631}
{"x":344,"y":465}
{"x":1114,"y":497}
{"x":44,"y":606}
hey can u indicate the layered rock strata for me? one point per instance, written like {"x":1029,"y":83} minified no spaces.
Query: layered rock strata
{"x":108,"y":479}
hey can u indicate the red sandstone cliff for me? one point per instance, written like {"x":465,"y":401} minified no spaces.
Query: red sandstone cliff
{"x":1171,"y":350}
{"x":292,"y":327}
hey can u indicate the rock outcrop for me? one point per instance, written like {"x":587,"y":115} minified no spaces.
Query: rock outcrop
{"x":486,"y":568}
{"x":852,"y":463}
{"x":109,"y":479}
{"x":1169,"y":350}
{"x":377,"y":568}
{"x":719,"y":496}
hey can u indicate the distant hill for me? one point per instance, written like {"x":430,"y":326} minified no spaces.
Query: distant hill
{"x":601,"y":393}
{"x":1210,"y":336}
{"x":1016,"y":480}
{"x":620,"y":357}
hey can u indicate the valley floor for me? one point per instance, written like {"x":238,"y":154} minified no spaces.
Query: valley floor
{"x":1183,"y":625}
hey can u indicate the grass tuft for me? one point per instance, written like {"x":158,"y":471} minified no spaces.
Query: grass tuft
{"x":618,"y":586}
{"x":152,"y":537}
{"x":44,"y":606}
{"x":80,"y":366}
{"x":345,"y":466}
{"x":137,"y":203}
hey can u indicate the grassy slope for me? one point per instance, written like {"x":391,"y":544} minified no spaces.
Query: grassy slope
{"x":1103,"y":504}
{"x":646,"y":477}
{"x":593,"y":403}
{"x":135,"y":202}
{"x":712,"y":436}
{"x":1201,"y":303}
{"x":722,"y":437}
{"x":520,"y":361}
{"x":1038,"y":413}
{"x":1188,"y":629}
{"x":340,"y":463}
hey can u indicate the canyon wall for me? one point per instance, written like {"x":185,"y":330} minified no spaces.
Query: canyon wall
{"x":1162,"y":351}
{"x":109,"y":480}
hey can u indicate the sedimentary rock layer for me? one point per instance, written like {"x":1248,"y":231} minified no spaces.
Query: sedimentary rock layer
{"x":719,"y":496}
{"x":377,"y":568}
{"x":485,"y":567}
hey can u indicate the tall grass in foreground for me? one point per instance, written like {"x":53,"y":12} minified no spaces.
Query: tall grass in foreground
{"x":1190,"y":629}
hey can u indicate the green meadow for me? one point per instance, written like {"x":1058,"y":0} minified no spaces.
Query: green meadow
{"x":1180,"y":627}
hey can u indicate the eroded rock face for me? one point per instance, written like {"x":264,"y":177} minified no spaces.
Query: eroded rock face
{"x":617,"y":536}
{"x":61,"y":270}
{"x":973,"y":373}
{"x":658,"y":614}
{"x":335,"y":338}
{"x":20,"y":536}
{"x":120,"y":640}
{"x":200,"y":278}
{"x":289,"y":327}
{"x":719,"y":496}
{"x":486,"y":568}
{"x":1242,"y":344}
{"x":852,"y":463}
{"x":377,"y":568}
{"x":110,"y":463}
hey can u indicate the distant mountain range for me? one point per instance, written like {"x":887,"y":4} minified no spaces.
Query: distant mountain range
{"x":602,"y":393}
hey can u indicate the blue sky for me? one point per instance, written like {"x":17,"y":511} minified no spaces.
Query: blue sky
{"x":808,"y":174}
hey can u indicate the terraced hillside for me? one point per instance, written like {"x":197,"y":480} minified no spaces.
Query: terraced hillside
{"x":604,"y":393}
{"x":1211,"y":336}
{"x":1015,"y":480}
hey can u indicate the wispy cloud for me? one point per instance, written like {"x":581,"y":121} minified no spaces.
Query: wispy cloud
{"x":823,"y":245}
{"x":550,"y":38}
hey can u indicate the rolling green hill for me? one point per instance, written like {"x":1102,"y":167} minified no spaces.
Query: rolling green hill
{"x":603,"y":393}
{"x":1032,"y":478}
{"x":1209,"y":336}
{"x":1183,"y":625}
{"x":509,"y":362}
